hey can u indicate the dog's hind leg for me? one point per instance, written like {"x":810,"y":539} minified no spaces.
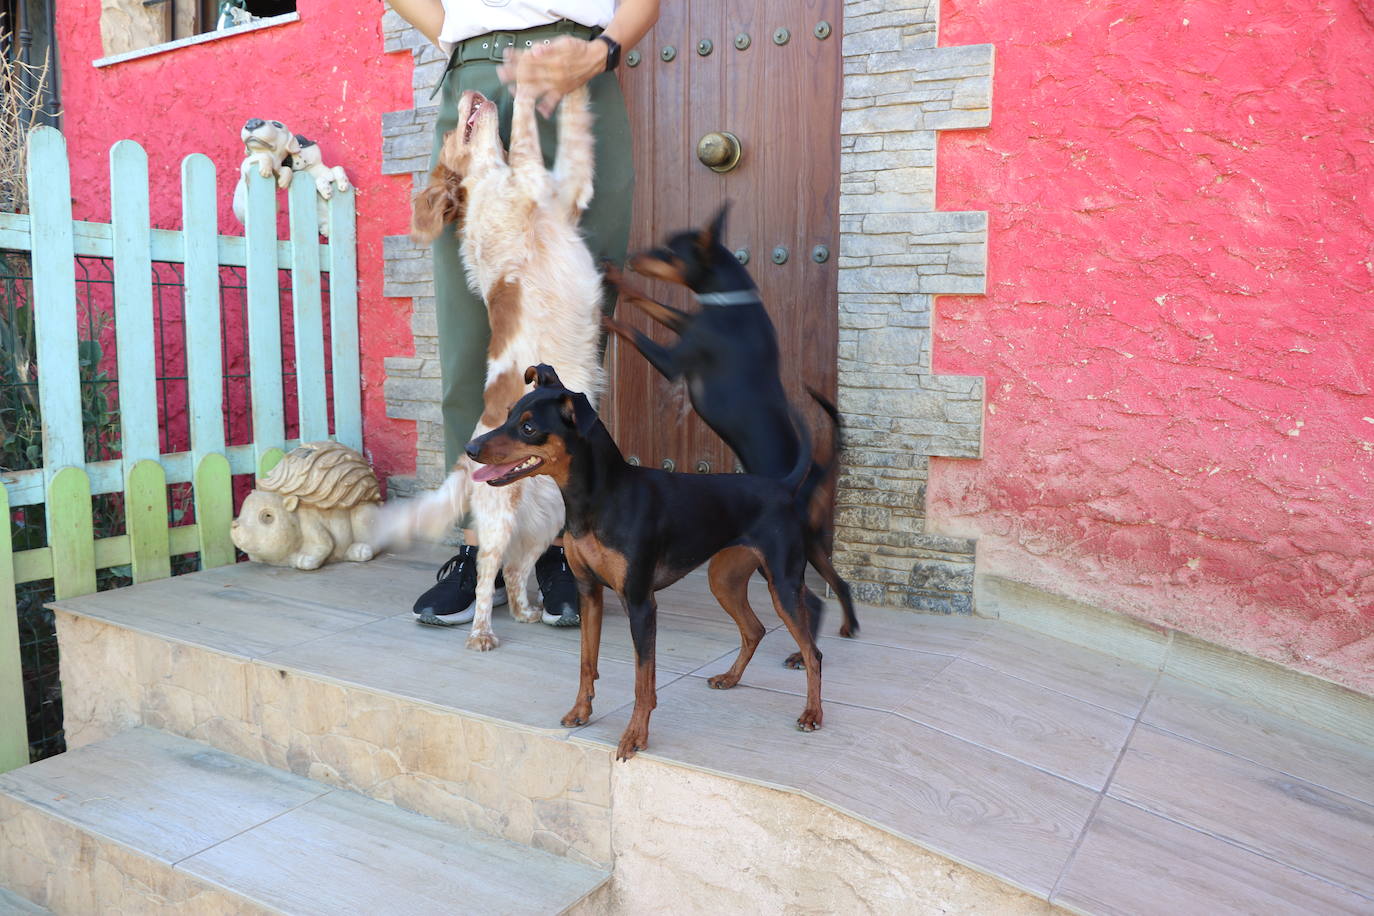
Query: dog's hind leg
{"x":785,"y":585}
{"x":820,"y":559}
{"x":815,"y":612}
{"x":517,"y":588}
{"x":730,"y":572}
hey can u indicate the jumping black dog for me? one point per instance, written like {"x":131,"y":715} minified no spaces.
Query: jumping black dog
{"x":728,"y":353}
{"x":637,"y":530}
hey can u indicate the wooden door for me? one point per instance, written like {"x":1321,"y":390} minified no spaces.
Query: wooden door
{"x":780,"y":96}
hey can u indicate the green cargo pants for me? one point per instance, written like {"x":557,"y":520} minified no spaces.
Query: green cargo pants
{"x":462,"y":316}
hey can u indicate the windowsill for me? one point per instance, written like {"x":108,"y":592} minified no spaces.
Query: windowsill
{"x":197,"y":39}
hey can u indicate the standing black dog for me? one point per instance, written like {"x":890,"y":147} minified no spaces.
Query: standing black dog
{"x":637,"y":530}
{"x":728,"y":353}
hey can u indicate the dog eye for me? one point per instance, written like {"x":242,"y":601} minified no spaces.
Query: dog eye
{"x":276,"y":124}
{"x":265,"y":517}
{"x":527,"y":429}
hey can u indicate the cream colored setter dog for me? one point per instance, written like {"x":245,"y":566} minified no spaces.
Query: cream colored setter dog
{"x":517,"y":225}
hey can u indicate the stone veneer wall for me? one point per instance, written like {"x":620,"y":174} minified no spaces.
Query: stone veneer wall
{"x":413,"y":389}
{"x":897,"y":252}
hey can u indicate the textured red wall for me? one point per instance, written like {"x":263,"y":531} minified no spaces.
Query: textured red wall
{"x":324,"y":76}
{"x":1178,"y":335}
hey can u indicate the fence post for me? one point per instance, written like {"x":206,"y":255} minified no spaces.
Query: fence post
{"x":307,"y":312}
{"x":343,"y":319}
{"x":14,"y":729}
{"x":145,"y":483}
{"x":264,"y":323}
{"x":212,"y":487}
{"x":71,"y":533}
{"x":54,"y":295}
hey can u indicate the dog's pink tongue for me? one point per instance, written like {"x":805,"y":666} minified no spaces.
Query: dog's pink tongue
{"x":490,"y":471}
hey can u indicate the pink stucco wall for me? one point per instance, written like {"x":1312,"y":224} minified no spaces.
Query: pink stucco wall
{"x":324,"y":76}
{"x":1178,"y":331}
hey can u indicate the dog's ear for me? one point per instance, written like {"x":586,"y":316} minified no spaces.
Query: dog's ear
{"x":711,"y":236}
{"x":441,"y":202}
{"x":543,"y":376}
{"x":293,"y":145}
{"x":578,"y":412}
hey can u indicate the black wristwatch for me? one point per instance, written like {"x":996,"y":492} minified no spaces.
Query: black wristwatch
{"x":612,"y":53}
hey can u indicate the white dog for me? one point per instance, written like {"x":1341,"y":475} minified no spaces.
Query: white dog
{"x":525,"y":256}
{"x":327,"y":178}
{"x":275,"y":152}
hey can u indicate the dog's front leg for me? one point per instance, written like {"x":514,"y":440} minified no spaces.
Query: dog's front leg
{"x":644,"y":631}
{"x":489,"y":554}
{"x":526,"y":158}
{"x":592,"y":605}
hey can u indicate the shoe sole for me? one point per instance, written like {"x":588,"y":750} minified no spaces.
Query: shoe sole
{"x":554,"y":620}
{"x":430,"y":619}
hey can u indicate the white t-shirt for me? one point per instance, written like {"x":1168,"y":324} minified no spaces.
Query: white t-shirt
{"x":466,"y":18}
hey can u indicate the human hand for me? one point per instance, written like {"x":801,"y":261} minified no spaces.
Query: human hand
{"x":553,"y":70}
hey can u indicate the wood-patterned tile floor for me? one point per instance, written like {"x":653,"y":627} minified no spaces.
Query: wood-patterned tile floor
{"x":1094,"y":783}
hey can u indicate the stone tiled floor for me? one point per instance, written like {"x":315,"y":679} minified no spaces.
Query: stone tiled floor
{"x":1097,"y":784}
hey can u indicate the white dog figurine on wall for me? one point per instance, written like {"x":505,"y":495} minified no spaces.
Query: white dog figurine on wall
{"x":275,"y":152}
{"x":327,"y":178}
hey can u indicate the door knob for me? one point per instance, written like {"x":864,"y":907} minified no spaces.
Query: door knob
{"x":719,"y":151}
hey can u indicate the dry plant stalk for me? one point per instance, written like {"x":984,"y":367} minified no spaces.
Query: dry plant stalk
{"x":21,"y":96}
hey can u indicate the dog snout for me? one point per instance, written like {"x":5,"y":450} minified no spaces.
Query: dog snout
{"x":474,"y":448}
{"x":253,"y":123}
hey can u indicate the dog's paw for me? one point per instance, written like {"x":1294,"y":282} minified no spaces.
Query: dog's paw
{"x":358,"y":552}
{"x":483,"y":642}
{"x":809,"y":721}
{"x":632,"y":742}
{"x":722,"y":681}
{"x":528,"y":615}
{"x":794,"y":661}
{"x":580,"y":714}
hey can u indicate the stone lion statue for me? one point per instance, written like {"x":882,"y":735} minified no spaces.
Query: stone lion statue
{"x":316,"y":506}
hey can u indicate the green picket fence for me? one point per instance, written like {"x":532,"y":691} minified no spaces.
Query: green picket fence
{"x":66,"y":482}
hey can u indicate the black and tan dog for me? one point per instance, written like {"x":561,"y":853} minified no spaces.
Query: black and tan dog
{"x":637,"y":530}
{"x":728,"y":354}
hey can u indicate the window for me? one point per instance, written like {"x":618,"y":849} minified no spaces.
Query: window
{"x":133,"y":25}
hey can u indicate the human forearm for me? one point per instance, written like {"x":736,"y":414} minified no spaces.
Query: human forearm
{"x":632,"y":21}
{"x":426,"y":15}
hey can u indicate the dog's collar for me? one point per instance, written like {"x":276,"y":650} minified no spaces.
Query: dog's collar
{"x":734,"y":297}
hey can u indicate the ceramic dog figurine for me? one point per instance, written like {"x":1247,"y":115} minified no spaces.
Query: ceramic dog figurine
{"x":327,"y":178}
{"x":268,"y":147}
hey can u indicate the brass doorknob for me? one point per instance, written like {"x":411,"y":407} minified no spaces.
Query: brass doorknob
{"x":719,"y":151}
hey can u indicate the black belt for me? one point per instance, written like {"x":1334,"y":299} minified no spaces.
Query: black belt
{"x":492,"y":46}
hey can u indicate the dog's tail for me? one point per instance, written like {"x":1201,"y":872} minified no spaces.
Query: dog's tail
{"x":798,"y":475}
{"x":820,"y":473}
{"x":426,"y":517}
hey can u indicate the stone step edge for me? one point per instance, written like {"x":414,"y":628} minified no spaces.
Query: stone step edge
{"x":519,"y":783}
{"x":596,"y":751}
{"x":180,"y":878}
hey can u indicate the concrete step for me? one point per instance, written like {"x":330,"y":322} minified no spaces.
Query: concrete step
{"x":11,"y":904}
{"x":326,"y":675}
{"x":149,"y":822}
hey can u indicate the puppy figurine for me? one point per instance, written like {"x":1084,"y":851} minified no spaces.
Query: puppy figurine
{"x":327,"y":178}
{"x":268,"y":147}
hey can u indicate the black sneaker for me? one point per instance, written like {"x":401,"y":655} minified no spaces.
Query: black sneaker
{"x":453,"y":600}
{"x":558,"y":587}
